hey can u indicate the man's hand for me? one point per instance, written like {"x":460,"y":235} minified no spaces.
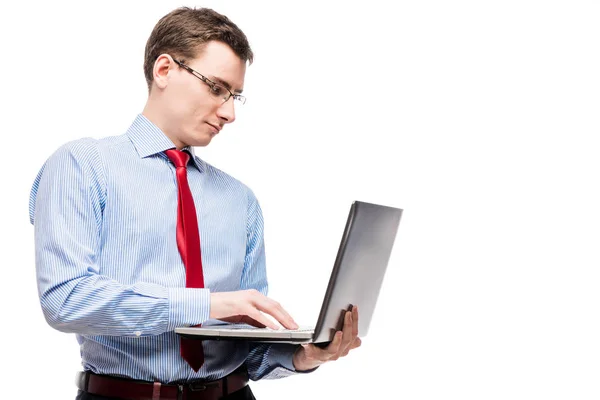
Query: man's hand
{"x":309,"y":356}
{"x":248,"y":306}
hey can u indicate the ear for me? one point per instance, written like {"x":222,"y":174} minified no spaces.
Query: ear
{"x":162,"y":66}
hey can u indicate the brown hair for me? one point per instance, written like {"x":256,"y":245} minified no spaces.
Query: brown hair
{"x":184,"y":32}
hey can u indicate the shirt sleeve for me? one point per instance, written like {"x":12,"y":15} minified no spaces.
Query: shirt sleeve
{"x":265,"y":361}
{"x":66,"y":209}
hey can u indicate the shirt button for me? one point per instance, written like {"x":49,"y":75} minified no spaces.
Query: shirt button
{"x":138,"y":333}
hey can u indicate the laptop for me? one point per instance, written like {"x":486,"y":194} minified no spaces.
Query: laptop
{"x":355,"y":279}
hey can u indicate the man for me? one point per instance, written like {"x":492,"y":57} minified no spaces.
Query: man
{"x":136,"y":236}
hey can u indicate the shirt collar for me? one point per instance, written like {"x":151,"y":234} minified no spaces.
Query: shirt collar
{"x":148,"y":140}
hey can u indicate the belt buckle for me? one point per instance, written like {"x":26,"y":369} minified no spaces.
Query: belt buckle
{"x":197,"y":386}
{"x":194,"y":387}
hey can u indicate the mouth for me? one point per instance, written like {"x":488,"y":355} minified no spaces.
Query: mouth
{"x":216,"y":128}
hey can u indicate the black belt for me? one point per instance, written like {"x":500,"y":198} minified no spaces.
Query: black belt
{"x":129,"y":389}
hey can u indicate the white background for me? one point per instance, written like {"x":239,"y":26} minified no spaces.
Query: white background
{"x":478,"y":118}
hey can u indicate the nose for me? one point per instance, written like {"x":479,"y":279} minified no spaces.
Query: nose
{"x":226,"y":112}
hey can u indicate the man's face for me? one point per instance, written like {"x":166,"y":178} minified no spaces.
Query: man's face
{"x":193,"y":114}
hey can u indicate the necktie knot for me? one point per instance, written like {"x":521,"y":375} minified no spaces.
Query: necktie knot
{"x":178,"y":157}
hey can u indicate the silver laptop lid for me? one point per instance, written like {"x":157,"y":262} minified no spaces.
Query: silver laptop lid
{"x":359,"y":268}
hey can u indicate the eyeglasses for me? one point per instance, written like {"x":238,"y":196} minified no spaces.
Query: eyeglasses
{"x":217,"y":90}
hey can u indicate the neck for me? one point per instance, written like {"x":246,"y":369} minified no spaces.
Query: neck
{"x":152,"y":112}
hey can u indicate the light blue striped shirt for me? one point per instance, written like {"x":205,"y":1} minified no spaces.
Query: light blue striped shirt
{"x":108,"y":267}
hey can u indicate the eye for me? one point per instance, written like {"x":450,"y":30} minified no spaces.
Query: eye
{"x":217,"y":90}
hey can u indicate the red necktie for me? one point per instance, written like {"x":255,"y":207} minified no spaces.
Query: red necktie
{"x":188,"y":243}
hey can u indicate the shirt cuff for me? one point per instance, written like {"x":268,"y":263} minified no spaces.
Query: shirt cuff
{"x":188,"y":307}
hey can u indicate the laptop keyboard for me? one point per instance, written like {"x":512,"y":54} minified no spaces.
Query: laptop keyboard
{"x":246,"y":328}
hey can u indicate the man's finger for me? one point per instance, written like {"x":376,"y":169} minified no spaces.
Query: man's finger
{"x":347,"y":332}
{"x":288,"y":321}
{"x":251,"y":321}
{"x":261,"y":318}
{"x":355,"y":344}
{"x":355,"y":321}
{"x":271,"y":307}
{"x":332,"y":351}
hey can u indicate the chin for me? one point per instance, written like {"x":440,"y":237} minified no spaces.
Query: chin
{"x":203,"y":140}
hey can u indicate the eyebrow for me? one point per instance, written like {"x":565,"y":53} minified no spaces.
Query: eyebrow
{"x":224,"y":83}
